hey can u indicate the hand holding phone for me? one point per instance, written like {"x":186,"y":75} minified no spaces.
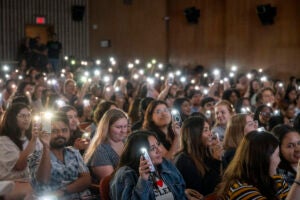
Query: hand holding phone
{"x":176,"y":117}
{"x":147,"y":157}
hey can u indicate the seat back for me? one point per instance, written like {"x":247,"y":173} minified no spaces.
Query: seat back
{"x":104,"y":187}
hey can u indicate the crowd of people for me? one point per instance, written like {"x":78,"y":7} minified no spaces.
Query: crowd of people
{"x":153,"y":131}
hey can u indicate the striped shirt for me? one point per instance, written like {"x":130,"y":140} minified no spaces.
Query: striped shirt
{"x":240,"y":190}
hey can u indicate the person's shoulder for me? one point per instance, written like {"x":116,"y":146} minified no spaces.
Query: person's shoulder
{"x":124,"y":172}
{"x":182,"y":157}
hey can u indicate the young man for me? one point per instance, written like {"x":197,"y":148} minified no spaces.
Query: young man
{"x":58,"y":170}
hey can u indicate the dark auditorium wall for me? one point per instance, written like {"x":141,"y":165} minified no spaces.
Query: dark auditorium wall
{"x":135,"y":30}
{"x":16,"y":14}
{"x":229,"y":32}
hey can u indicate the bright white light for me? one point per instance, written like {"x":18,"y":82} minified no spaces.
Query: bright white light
{"x":249,"y":76}
{"x":160,"y":66}
{"x":86,"y":102}
{"x":110,"y":70}
{"x":193,"y":81}
{"x":135,"y":76}
{"x":162,"y":78}
{"x":216,"y":72}
{"x":111,"y":59}
{"x":60,"y":103}
{"x":182,"y":79}
{"x":53,"y":81}
{"x":156,"y":75}
{"x":205,"y":75}
{"x":98,"y":62}
{"x":97,"y":72}
{"x":178,"y":73}
{"x":141,"y":72}
{"x":137,"y":61}
{"x":5,"y":68}
{"x":130,"y":66}
{"x":107,"y":89}
{"x":106,"y":79}
{"x":20,"y":77}
{"x":66,"y":58}
{"x":234,"y":68}
{"x":263,"y":79}
{"x":231,"y":74}
{"x":280,"y":85}
{"x":73,"y":62}
{"x":86,"y":73}
{"x":221,"y":81}
{"x":153,"y":61}
{"x":197,"y":87}
{"x":117,"y":89}
{"x":205,"y":91}
{"x":225,"y":79}
{"x":149,"y":65}
{"x":7,"y":76}
{"x":150,"y":80}
{"x":63,"y":70}
{"x":260,"y":70}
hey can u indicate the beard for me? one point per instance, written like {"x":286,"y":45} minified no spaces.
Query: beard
{"x":58,"y":143}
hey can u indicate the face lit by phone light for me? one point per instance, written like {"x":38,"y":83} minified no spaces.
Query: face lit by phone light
{"x":155,"y":151}
{"x":60,"y":134}
{"x":73,"y":119}
{"x":161,"y":115}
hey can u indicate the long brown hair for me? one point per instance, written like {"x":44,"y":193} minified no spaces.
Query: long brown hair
{"x":192,"y":144}
{"x":251,"y":164}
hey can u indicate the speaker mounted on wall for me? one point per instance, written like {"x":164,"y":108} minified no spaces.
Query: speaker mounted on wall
{"x":78,"y":13}
{"x":266,"y":13}
{"x":192,"y":15}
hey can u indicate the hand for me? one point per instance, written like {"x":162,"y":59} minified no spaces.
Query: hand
{"x":144,"y":168}
{"x":45,"y":138}
{"x":217,"y":151}
{"x":298,"y":171}
{"x":176,"y":128}
{"x":193,"y":194}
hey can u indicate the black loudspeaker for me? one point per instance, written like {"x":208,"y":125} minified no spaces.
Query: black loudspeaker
{"x":266,"y":14}
{"x":77,"y":13}
{"x":192,"y":15}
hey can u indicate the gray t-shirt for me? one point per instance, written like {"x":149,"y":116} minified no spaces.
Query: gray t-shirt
{"x":104,"y":155}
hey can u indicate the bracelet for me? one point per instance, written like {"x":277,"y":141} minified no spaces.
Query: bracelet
{"x":297,"y":182}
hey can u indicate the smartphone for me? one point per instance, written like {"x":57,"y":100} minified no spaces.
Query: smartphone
{"x":170,"y":80}
{"x":36,"y":122}
{"x":176,"y":117}
{"x":147,"y":157}
{"x":46,"y":121}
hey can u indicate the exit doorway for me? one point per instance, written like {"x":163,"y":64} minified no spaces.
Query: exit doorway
{"x":43,"y":31}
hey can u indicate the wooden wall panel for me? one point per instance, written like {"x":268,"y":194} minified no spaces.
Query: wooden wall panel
{"x":136,"y":30}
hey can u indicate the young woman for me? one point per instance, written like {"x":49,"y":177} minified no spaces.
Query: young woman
{"x":133,"y":179}
{"x":262,"y":114}
{"x":223,"y":111}
{"x":252,"y":172}
{"x":199,"y":167}
{"x":289,"y":148}
{"x":183,"y":106}
{"x":103,"y":154}
{"x":238,"y":126}
{"x":16,"y":144}
{"x":158,"y":119}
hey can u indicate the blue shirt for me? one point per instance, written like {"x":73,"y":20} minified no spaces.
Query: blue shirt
{"x":62,"y":174}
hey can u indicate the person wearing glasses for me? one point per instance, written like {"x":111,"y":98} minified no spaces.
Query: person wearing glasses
{"x":158,"y":119}
{"x":103,"y":153}
{"x":16,"y":144}
{"x":263,"y":114}
{"x":238,"y":126}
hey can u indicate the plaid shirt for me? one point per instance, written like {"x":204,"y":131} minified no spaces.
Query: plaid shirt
{"x":62,"y":174}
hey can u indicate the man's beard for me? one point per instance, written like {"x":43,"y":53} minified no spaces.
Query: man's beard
{"x":57,"y":143}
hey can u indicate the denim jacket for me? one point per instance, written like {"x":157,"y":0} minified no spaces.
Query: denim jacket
{"x":126,"y":184}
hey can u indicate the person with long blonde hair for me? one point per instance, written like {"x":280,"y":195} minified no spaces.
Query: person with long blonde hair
{"x":102,"y":156}
{"x":238,"y":126}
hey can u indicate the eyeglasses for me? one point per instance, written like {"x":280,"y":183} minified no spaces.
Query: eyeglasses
{"x":266,"y":114}
{"x":160,"y":111}
{"x":24,"y":116}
